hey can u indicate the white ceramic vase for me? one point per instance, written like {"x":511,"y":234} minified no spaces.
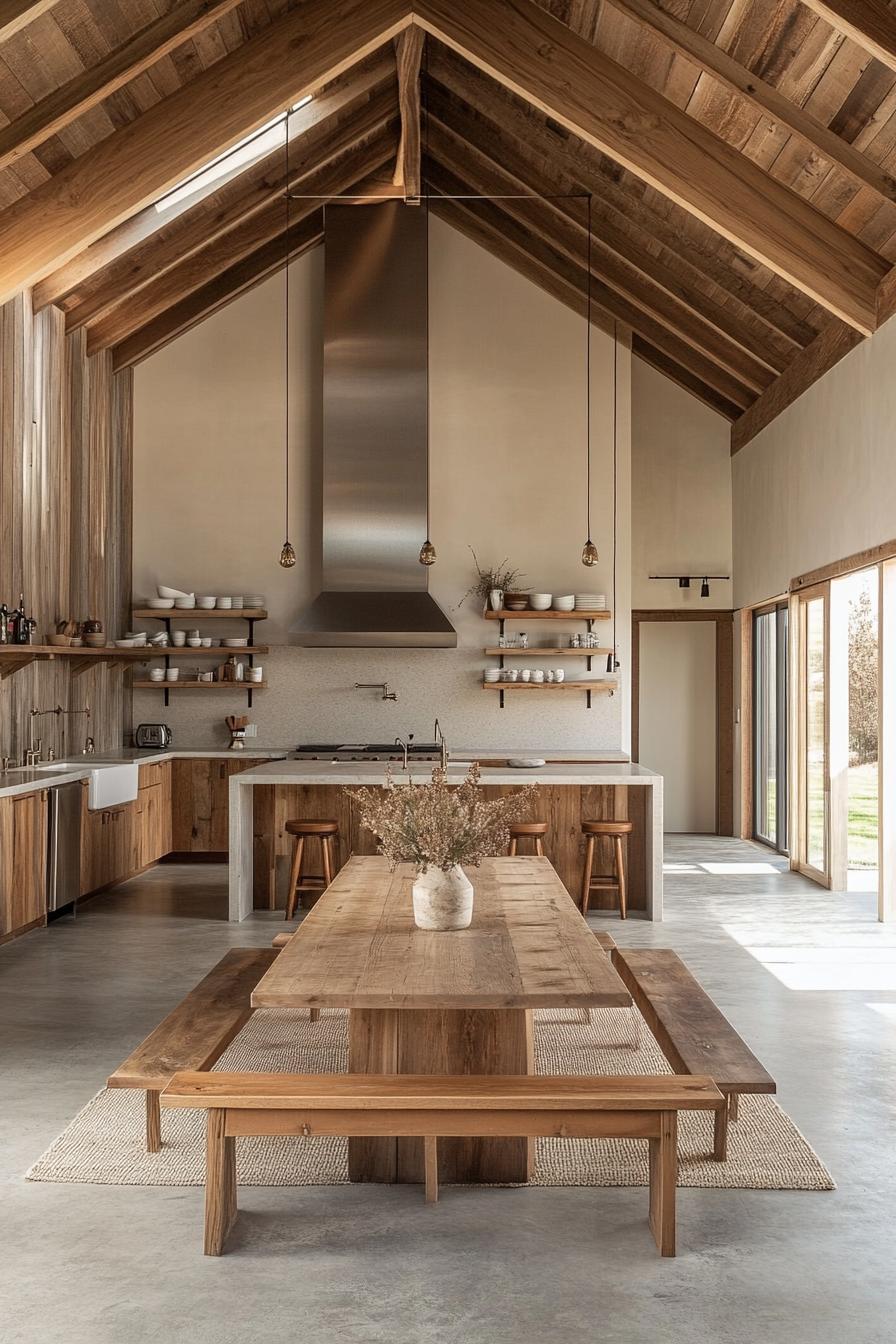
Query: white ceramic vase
{"x":496,"y":599}
{"x":443,"y":900}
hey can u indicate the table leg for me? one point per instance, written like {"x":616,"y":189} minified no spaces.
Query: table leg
{"x":441,"y":1041}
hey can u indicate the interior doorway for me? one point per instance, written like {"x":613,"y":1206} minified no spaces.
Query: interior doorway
{"x":771,"y":687}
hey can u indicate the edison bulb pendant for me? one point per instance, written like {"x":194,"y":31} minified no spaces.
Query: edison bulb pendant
{"x":589,"y":553}
{"x":287,"y":555}
{"x":427,"y":553}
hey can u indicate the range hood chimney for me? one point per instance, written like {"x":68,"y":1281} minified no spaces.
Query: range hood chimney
{"x":375,"y":424}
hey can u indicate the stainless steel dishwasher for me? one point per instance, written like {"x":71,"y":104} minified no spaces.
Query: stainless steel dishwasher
{"x":64,"y":846}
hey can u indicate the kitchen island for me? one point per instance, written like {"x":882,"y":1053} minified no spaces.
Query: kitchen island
{"x":570,"y":791}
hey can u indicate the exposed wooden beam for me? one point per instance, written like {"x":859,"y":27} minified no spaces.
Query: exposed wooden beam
{"x":83,"y":92}
{"x":226,"y":287}
{"x":764,"y":97}
{"x":261,"y":187}
{"x":826,"y":350}
{"x":63,"y":287}
{"x":886,"y":297}
{"x":408,"y":51}
{"x":296,"y":55}
{"x":566,"y":257}
{"x":562,"y":223}
{"x":543,"y":61}
{"x":17,"y":14}
{"x":870,"y":23}
{"x":699,"y":270}
{"x":228,"y":248}
{"x":610,"y":240}
{"x":683,"y":378}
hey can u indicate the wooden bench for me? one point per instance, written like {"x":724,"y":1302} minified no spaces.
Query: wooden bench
{"x":691,"y":1032}
{"x":606,"y":940}
{"x":422,"y":1106}
{"x":196,"y":1033}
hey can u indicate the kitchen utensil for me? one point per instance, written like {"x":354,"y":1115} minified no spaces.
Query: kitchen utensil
{"x":153,"y":735}
{"x":540,"y":601}
{"x":173,"y":593}
{"x":549,"y":676}
{"x":159,"y":640}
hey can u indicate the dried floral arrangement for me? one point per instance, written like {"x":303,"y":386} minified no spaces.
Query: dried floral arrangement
{"x":500,"y":576}
{"x":438,"y":825}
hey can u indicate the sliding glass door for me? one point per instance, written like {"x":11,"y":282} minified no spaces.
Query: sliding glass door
{"x":813,"y":765}
{"x":770,"y":736}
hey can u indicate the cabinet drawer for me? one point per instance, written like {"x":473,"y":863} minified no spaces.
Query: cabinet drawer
{"x":152,"y":774}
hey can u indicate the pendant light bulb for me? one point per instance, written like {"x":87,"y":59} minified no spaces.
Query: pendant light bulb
{"x":427,"y":554}
{"x":589,"y":553}
{"x":287,"y":555}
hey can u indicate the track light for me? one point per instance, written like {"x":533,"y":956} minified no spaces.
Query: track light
{"x":704,"y":588}
{"x":684,"y":582}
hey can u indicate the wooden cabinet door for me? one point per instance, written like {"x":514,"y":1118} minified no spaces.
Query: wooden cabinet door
{"x":23,"y":860}
{"x":201,"y":804}
{"x":149,"y":826}
{"x":108,"y":844}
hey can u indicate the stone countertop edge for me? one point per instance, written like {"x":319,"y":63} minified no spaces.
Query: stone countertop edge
{"x":354,"y":772}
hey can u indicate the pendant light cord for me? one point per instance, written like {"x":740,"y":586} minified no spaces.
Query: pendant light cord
{"x":615,"y":470}
{"x":286,"y":301}
{"x":425,"y":185}
{"x":588,"y":373}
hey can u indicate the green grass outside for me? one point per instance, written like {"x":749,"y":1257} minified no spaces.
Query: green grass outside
{"x":863,"y":816}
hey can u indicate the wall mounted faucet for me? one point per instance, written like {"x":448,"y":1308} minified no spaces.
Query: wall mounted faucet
{"x":376,"y":686}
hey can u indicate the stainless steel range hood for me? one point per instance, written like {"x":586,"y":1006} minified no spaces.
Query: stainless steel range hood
{"x":375,"y":393}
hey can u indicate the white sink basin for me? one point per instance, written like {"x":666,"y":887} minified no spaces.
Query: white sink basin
{"x":110,"y":783}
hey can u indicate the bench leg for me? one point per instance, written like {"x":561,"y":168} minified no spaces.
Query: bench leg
{"x":313,"y":1014}
{"x":153,"y":1123}
{"x":720,"y":1134}
{"x":732,"y":1107}
{"x":663,"y":1177}
{"x":220,"y":1183}
{"x":431,"y":1168}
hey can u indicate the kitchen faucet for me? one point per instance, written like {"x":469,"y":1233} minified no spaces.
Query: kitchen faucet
{"x":72,"y":713}
{"x":35,"y":751}
{"x":405,"y":747}
{"x":376,"y":686}
{"x":439,"y":737}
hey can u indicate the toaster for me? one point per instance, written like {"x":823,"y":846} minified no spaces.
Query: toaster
{"x":153,"y":735}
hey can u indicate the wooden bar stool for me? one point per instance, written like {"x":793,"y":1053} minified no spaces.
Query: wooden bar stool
{"x":531,"y":830}
{"x":324,"y":831}
{"x":604,"y":881}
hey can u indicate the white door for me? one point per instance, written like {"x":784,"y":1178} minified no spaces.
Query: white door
{"x":677,"y":719}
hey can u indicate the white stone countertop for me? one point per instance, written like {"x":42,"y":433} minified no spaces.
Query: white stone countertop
{"x":373,"y":772}
{"x":14,"y":782}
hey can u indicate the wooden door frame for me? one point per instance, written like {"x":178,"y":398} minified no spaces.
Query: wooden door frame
{"x":798,"y":794}
{"x":724,"y":624}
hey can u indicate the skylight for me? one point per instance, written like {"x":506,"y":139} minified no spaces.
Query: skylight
{"x":246,"y":151}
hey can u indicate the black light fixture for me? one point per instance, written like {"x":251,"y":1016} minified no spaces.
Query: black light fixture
{"x":427,"y":554}
{"x":589,"y":550}
{"x":704,"y":588}
{"x":612,"y":660}
{"x":287,"y":551}
{"x":684,"y":580}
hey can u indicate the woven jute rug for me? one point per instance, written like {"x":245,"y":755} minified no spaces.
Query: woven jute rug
{"x":103,"y":1145}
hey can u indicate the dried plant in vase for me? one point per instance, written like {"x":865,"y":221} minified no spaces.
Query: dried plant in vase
{"x":437,"y":827}
{"x":491,"y":584}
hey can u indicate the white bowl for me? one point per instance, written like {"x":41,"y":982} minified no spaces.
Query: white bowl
{"x":224,"y":603}
{"x":235,"y":643}
{"x":172,"y":673}
{"x":564,"y":603}
{"x":125,"y":643}
{"x":195,"y":642}
{"x":185,"y":603}
{"x":172,"y":592}
{"x":161,"y":603}
{"x":206,"y":603}
{"x":540,"y":601}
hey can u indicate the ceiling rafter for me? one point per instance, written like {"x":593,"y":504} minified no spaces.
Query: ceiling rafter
{"x":359,"y":161}
{"x":408,"y":52}
{"x":259,"y":188}
{"x":869,"y":23}
{"x":563,"y":223}
{"x":543,"y":61}
{"x":763,"y":97}
{"x":70,"y":100}
{"x":63,"y":286}
{"x":17,"y":14}
{"x":296,"y":55}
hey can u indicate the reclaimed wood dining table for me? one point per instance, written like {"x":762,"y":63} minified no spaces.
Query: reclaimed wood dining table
{"x":442,"y":1003}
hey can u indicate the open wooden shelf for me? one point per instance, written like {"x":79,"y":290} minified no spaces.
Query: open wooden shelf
{"x":215,"y":650}
{"x":200,"y":614}
{"x":239,"y":686}
{"x":605,"y":687}
{"x":528,"y":615}
{"x":542,"y":652}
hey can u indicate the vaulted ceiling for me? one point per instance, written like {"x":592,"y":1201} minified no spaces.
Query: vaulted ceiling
{"x":734,"y":157}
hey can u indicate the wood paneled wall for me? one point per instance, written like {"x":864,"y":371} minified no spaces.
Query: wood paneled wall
{"x":65,"y":517}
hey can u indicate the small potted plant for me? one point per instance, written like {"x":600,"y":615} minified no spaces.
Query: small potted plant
{"x":438,"y":827}
{"x":492,"y":583}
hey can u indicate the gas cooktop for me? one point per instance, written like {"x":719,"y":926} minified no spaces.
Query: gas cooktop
{"x":367,"y":751}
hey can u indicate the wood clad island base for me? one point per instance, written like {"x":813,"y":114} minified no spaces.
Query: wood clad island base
{"x":442,"y":1003}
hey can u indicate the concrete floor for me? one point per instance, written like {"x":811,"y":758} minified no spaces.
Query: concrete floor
{"x":808,"y":977}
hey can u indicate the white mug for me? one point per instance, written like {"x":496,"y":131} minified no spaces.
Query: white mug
{"x":172,"y":673}
{"x":525,"y":674}
{"x":178,"y":638}
{"x":559,"y":674}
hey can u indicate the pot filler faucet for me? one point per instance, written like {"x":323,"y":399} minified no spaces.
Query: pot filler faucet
{"x":34,"y":753}
{"x":376,"y":686}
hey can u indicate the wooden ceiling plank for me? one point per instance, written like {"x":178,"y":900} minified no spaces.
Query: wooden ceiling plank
{"x":765,"y":98}
{"x":224,"y":251}
{"x":784,"y":332}
{"x":562,"y":222}
{"x":226,"y":287}
{"x":541,"y":60}
{"x":78,"y":95}
{"x":260,"y":187}
{"x":562,"y":258}
{"x":869,"y":23}
{"x":828,"y":348}
{"x":17,"y":14}
{"x":57,"y":287}
{"x":298,"y":54}
{"x":608,"y":237}
{"x":408,"y":53}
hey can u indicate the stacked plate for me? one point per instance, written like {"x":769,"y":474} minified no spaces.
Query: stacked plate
{"x":591,"y":601}
{"x":253,"y":601}
{"x":185,"y":603}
